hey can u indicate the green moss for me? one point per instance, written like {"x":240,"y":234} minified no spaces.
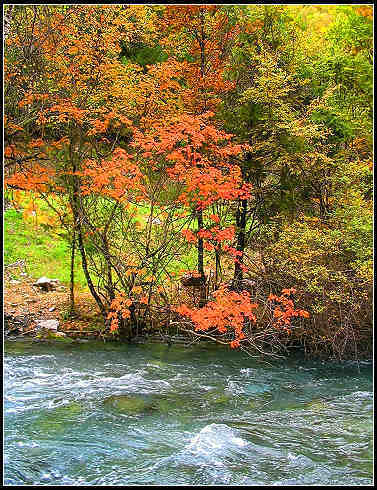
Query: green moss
{"x":59,"y":419}
{"x":163,"y":406}
{"x":127,"y":404}
{"x":254,"y":404}
{"x":158,"y":363}
{"x":317,"y":406}
{"x":50,"y":335}
{"x":217,"y":397}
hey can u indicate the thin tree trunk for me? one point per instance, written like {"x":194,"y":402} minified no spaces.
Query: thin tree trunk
{"x":86,"y":271}
{"x":241,"y":234}
{"x":77,"y":224}
{"x":199,"y":213}
{"x":199,"y":216}
{"x":203,"y":296}
{"x":218,"y":267}
{"x":107,"y":256}
{"x":72,"y":278}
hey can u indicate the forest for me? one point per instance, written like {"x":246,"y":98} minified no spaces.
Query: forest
{"x":209,"y":167}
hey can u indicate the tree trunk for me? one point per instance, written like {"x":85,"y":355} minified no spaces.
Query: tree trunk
{"x":72,"y":278}
{"x":203,"y":296}
{"x":77,"y":224}
{"x":241,"y":234}
{"x":200,"y":37}
{"x":86,"y":271}
{"x":107,"y":257}
{"x":218,"y":267}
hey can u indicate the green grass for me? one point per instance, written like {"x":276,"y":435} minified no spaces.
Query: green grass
{"x":45,"y":253}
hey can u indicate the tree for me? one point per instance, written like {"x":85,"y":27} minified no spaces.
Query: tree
{"x":220,"y":138}
{"x":66,"y":90}
{"x":201,"y":38}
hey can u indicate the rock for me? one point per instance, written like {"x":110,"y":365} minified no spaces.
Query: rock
{"x":217,"y":397}
{"x":52,"y":309}
{"x":248,"y":283}
{"x":128,"y":404}
{"x":59,"y":419}
{"x":48,"y":335}
{"x":19,"y":322}
{"x":47,"y":324}
{"x":12,"y":332}
{"x":192,"y":280}
{"x":46,"y":284}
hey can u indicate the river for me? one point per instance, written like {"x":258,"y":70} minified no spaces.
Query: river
{"x":115,"y":414}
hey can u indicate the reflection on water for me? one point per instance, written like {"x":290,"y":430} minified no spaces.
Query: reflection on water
{"x":109,"y":414}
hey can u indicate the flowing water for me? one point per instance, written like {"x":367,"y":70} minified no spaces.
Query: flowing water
{"x":111,"y":414}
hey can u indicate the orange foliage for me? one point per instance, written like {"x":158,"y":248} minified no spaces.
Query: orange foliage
{"x":365,"y":11}
{"x":232,"y":312}
{"x":196,"y":154}
{"x":207,"y":33}
{"x":229,"y":311}
{"x":119,"y":306}
{"x":284,"y":313}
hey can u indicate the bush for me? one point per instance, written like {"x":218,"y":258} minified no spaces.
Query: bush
{"x":331,"y":265}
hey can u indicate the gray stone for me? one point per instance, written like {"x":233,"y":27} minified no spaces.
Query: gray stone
{"x":48,"y":324}
{"x":46,"y":284}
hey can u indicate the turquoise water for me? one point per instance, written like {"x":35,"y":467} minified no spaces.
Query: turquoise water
{"x":109,"y":414}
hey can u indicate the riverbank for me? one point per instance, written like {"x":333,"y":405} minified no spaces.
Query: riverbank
{"x":27,"y":307}
{"x":339,"y":326}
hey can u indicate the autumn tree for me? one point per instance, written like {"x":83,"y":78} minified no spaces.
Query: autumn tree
{"x":199,"y":39}
{"x":239,"y":134}
{"x":69,"y":99}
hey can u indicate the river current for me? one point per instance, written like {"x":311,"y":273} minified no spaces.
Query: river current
{"x":112,"y":414}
